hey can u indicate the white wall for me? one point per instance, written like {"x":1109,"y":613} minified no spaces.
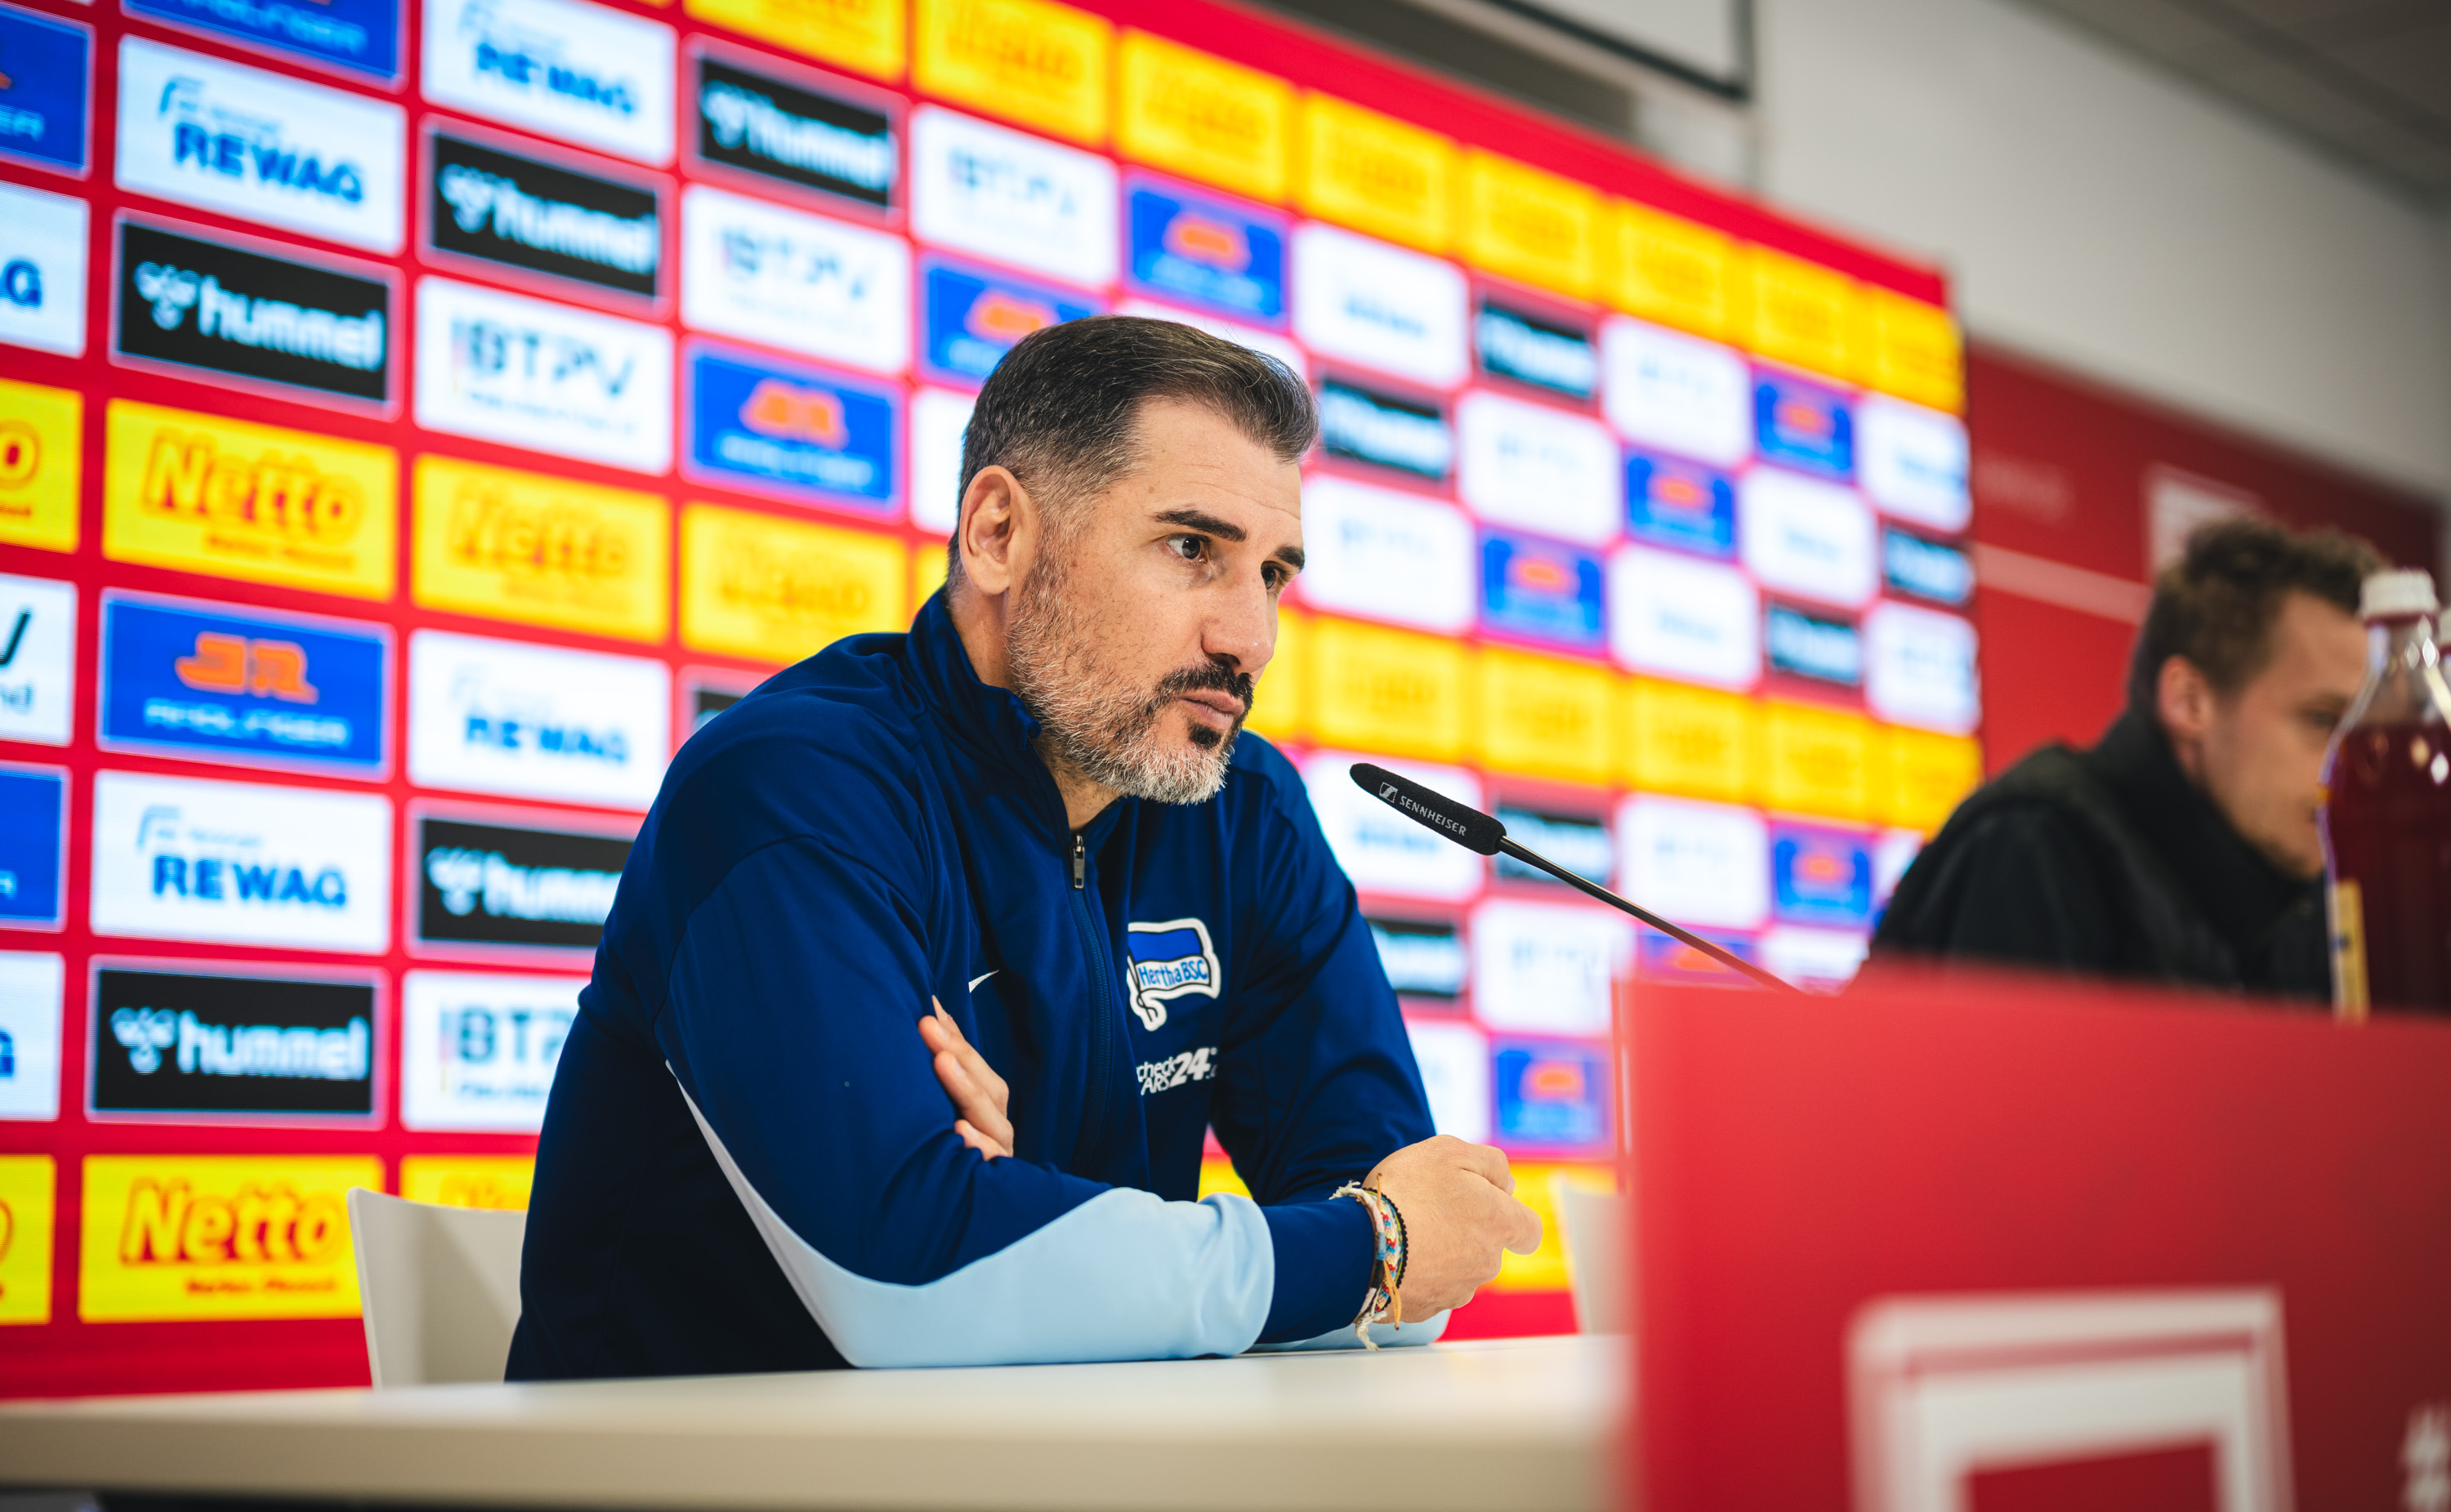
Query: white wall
{"x":2096,"y":211}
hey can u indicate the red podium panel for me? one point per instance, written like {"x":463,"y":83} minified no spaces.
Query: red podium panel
{"x":1988,"y":1244}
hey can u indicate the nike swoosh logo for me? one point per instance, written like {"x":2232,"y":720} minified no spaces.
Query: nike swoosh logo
{"x":981,"y":977}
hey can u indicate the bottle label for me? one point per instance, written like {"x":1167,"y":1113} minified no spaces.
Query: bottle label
{"x":2345,"y":906}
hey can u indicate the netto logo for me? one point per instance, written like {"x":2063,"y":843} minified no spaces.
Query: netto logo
{"x":277,"y":493}
{"x":171,"y":1224}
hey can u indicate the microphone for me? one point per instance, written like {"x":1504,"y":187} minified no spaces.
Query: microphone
{"x":1476,"y":830}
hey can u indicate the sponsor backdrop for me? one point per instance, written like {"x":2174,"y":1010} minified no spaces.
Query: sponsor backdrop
{"x":419,"y":418}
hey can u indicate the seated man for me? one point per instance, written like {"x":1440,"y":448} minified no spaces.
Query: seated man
{"x":1018,"y":859}
{"x":2182,"y":848}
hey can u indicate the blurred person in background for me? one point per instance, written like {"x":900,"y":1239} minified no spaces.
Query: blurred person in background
{"x":2182,"y":848}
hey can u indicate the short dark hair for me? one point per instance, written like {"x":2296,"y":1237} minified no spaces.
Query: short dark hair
{"x":2216,"y":604}
{"x":1062,"y":410}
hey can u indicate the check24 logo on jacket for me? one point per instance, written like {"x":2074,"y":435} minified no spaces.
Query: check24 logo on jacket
{"x":1166,"y":961}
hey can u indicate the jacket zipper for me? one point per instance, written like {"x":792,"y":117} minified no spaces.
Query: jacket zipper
{"x":1102,"y":1008}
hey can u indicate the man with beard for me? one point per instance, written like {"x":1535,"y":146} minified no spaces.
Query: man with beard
{"x":940,"y":953}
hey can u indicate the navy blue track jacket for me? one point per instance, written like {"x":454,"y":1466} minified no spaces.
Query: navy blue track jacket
{"x":748,"y":1163}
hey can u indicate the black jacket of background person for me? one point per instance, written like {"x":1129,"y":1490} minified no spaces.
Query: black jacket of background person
{"x":2108,"y":861}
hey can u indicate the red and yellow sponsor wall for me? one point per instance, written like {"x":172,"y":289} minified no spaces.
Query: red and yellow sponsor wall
{"x":417,"y":418}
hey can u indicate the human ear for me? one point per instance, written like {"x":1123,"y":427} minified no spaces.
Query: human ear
{"x":2184,"y":699}
{"x":998,"y":530}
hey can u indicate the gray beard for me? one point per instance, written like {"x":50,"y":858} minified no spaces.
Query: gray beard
{"x":1094,"y":723}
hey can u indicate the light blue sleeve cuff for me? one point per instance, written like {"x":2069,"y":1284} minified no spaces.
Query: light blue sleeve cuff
{"x":1383,"y":1334}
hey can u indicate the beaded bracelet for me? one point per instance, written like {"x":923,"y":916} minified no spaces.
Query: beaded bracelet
{"x":1385,"y":1302}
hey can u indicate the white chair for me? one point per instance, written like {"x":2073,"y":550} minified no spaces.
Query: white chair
{"x":440,"y":1287}
{"x":1592,"y":1225}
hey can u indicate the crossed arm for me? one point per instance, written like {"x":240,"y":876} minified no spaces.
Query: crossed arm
{"x":1457,"y":1199}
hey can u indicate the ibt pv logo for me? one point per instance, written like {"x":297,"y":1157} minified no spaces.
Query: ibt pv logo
{"x":1166,"y":961}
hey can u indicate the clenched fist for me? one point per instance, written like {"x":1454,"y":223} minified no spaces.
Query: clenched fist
{"x":1460,"y":1210}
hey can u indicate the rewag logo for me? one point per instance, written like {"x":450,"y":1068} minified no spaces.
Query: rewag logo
{"x":583,"y":72}
{"x":257,"y":145}
{"x":1167,"y":961}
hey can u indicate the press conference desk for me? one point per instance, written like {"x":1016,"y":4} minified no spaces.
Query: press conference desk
{"x":1522,"y":1425}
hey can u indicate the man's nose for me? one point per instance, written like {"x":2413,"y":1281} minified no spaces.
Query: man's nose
{"x":1243,"y":628}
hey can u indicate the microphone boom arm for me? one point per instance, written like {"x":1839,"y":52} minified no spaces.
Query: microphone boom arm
{"x":1725,"y":958}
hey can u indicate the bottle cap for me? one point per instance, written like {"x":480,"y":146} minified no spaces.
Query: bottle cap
{"x":2389,"y":595}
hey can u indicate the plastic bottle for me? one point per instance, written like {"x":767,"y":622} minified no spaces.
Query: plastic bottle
{"x":2386,"y":817}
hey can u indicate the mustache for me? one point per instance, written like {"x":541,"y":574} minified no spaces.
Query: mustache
{"x":1219,"y":676}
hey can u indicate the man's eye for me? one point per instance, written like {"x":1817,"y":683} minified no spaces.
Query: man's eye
{"x":1190,"y":548}
{"x":1275,"y":576}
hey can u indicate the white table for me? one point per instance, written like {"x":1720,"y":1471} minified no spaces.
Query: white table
{"x":1523,"y":1425}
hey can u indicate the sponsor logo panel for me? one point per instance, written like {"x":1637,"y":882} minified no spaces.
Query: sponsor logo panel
{"x":42,"y":465}
{"x":1545,"y":969}
{"x":37,"y":658}
{"x":1378,"y":689}
{"x":1680,"y":503}
{"x":1422,"y":960}
{"x":1696,"y":863}
{"x":1800,"y":312}
{"x":1684,"y":395}
{"x":1382,"y":849}
{"x":1532,"y":225}
{"x":212,"y":306}
{"x":1553,"y":1095}
{"x":33,"y":839}
{"x":43,"y":110}
{"x":1816,"y":960}
{"x":1808,"y":538}
{"x":1914,"y":462}
{"x":361,"y":36}
{"x":1693,"y":620}
{"x":1668,"y":268}
{"x":203,"y":494}
{"x":33,"y":988}
{"x":771,"y":428}
{"x":1543,"y":717}
{"x":1454,"y":1060}
{"x":1697,"y":742}
{"x":1267,"y":344}
{"x":215,"y":683}
{"x":939,"y":422}
{"x":1382,"y":307}
{"x":261,"y":146}
{"x":1037,"y":62}
{"x":528,"y":720}
{"x":468,"y":1181}
{"x":707,"y":693}
{"x":1927,"y":569}
{"x":785,"y":278}
{"x":1375,"y":174}
{"x":1820,"y":876}
{"x":767,"y":125}
{"x":1202,"y":116}
{"x":179,"y":1238}
{"x":1803,"y":425}
{"x":1018,"y":199}
{"x":1816,"y":760}
{"x":42,"y":272}
{"x":1405,"y":434}
{"x":477,"y":1051}
{"x":863,"y":34}
{"x":772,"y":589}
{"x":184,"y":858}
{"x":1534,"y":350}
{"x":27,"y":1215}
{"x":524,"y":372}
{"x":1208,"y":253}
{"x":173,"y":1044}
{"x":542,"y":550}
{"x":1579,"y":843}
{"x":974,"y":318}
{"x":1541,"y":591}
{"x":583,"y":72}
{"x":1388,"y":556}
{"x":542,"y":217}
{"x":1665,"y":958}
{"x":1826,"y":647}
{"x":1926,"y":774}
{"x":1920,"y":669}
{"x":1537,"y":468}
{"x":487,"y":885}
